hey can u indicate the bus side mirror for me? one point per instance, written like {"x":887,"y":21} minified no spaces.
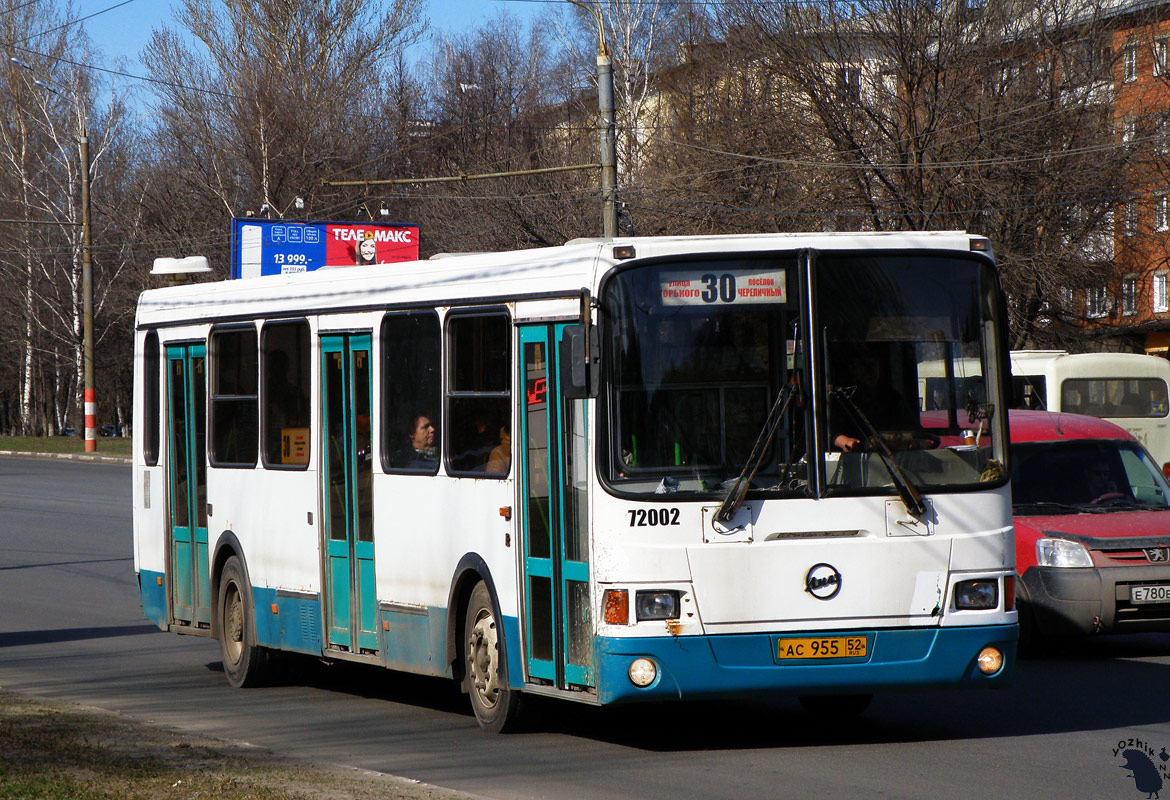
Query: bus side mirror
{"x":578,"y":379}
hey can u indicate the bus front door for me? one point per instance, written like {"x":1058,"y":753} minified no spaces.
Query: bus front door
{"x":558,"y":631}
{"x":350,"y":599}
{"x":190,"y":590}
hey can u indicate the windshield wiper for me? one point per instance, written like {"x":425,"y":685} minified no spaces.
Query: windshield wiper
{"x":1047,"y":505}
{"x":730,"y":505}
{"x":907,"y":491}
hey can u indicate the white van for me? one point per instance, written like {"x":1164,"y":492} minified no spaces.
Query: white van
{"x":1125,"y":388}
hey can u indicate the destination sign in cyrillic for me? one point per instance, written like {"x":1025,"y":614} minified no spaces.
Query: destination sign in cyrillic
{"x":724,"y":287}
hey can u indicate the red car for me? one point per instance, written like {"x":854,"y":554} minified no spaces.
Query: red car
{"x":1092,"y":520}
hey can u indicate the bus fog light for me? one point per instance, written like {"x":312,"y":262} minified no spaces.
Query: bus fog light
{"x":978,"y":594}
{"x":643,"y":672}
{"x":990,"y":660}
{"x":656,"y":605}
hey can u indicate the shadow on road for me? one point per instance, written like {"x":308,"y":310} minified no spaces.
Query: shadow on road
{"x":18,"y":638}
{"x":1099,"y":684}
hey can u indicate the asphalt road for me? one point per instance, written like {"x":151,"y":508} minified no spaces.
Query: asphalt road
{"x":71,"y":629}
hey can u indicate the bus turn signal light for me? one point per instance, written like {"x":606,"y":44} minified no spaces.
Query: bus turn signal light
{"x":616,"y":605}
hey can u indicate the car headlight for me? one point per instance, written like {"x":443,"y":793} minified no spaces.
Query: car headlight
{"x":1062,"y":553}
{"x":659,"y":604}
{"x":980,"y":594}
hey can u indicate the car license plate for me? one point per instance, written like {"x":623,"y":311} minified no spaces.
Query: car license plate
{"x":821,"y":647}
{"x":1139,"y":595}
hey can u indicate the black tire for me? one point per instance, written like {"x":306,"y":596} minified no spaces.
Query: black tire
{"x":838,"y":706}
{"x":497,"y":708}
{"x":244,"y":663}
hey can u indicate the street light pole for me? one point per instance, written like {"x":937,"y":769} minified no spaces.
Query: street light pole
{"x":607,"y":126}
{"x":89,"y":397}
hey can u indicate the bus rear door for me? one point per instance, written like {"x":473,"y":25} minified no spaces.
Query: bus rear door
{"x":349,"y":586}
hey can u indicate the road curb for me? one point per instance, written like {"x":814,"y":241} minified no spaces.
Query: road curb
{"x":69,"y":456}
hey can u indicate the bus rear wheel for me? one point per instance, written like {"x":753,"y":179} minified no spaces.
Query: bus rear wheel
{"x":244,"y":663}
{"x":496,"y":706}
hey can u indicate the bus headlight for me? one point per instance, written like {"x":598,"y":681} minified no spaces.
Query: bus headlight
{"x":643,"y":671}
{"x":656,"y":604}
{"x":1062,"y":553}
{"x":980,"y":594}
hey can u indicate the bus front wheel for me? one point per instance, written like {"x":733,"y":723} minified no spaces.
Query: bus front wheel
{"x":496,"y":706}
{"x":244,"y":663}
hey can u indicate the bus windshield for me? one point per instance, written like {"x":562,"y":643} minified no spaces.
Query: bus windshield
{"x":709,"y":371}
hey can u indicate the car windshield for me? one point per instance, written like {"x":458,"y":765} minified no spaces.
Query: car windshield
{"x":1085,"y":475}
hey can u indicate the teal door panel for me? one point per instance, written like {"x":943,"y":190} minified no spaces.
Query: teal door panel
{"x":346,"y":400}
{"x":559,"y":636}
{"x":190,"y":589}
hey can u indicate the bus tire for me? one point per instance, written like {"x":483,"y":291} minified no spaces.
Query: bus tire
{"x":244,"y":663}
{"x":496,"y":707}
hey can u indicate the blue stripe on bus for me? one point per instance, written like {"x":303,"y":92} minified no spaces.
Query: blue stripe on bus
{"x":152,"y":592}
{"x":691,"y":667}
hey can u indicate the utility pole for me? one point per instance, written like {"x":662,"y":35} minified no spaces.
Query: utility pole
{"x":90,"y":396}
{"x":607,"y":126}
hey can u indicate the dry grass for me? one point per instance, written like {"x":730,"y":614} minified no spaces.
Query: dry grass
{"x":52,"y":752}
{"x":106,"y":445}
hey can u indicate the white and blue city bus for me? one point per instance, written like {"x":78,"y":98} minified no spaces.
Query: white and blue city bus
{"x":613,"y":471}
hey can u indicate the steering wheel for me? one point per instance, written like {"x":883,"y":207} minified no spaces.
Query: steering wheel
{"x":1109,"y":497}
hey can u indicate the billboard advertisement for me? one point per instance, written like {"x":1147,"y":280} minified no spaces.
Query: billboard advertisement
{"x":281,"y":247}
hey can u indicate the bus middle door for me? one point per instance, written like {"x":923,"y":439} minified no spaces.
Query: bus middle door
{"x":190,"y":589}
{"x":559,"y":637}
{"x":349,"y":585}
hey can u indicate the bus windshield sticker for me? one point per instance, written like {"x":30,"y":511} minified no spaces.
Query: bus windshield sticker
{"x":738,"y":286}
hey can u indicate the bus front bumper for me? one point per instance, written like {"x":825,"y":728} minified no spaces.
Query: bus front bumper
{"x":695,"y":667}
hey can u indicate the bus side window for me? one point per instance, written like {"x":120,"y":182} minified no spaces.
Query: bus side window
{"x":479,"y":393}
{"x":150,"y":399}
{"x":234,"y":429}
{"x":411,"y":390}
{"x":285,"y":377}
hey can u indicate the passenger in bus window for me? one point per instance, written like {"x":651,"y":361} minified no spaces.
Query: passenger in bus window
{"x":500,"y":458}
{"x":420,"y":451}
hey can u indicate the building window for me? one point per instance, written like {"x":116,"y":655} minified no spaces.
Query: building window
{"x":849,"y":81}
{"x":1096,"y":302}
{"x":1129,"y":286}
{"x":1161,"y":301}
{"x":479,"y":381}
{"x":411,"y":392}
{"x":1161,"y":217}
{"x":1129,"y":63}
{"x":1161,"y":52}
{"x":1067,"y":298}
{"x":284,"y":348}
{"x":1129,"y":222}
{"x":234,"y":430}
{"x":1128,"y":131}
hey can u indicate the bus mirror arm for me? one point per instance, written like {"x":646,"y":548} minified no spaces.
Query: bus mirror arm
{"x":907,"y":491}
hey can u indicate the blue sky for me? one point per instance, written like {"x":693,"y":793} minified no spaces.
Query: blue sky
{"x":123,"y":31}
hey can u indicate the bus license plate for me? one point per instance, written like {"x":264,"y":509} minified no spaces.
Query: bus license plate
{"x":1149,"y":594}
{"x":821,"y":647}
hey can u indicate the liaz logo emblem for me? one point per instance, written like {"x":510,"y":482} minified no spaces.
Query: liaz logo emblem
{"x":822,"y":581}
{"x":1158,"y":555}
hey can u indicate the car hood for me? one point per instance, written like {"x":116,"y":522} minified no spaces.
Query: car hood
{"x":1104,"y":524}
